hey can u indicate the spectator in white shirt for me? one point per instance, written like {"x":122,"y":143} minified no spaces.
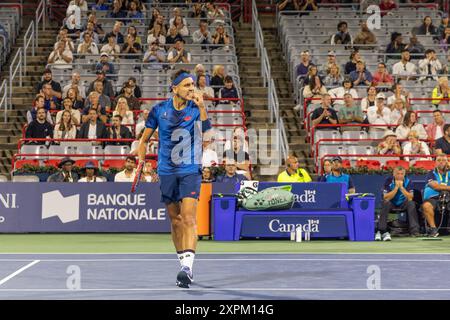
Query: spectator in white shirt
{"x":207,"y":92}
{"x":75,"y":81}
{"x":156,"y":34}
{"x":430,"y":66}
{"x":91,"y":173}
{"x":210,"y":158}
{"x":370,"y":99}
{"x":202,"y":35}
{"x":128,"y":174}
{"x":410,"y":124}
{"x":404,"y":69}
{"x":65,"y":129}
{"x":398,"y":111}
{"x":68,"y":106}
{"x":399,"y":93}
{"x":178,"y":54}
{"x":81,"y":3}
{"x":73,"y":14}
{"x":415,"y":146}
{"x":379,"y":114}
{"x":180,"y":26}
{"x":347,"y":87}
{"x":90,"y":29}
{"x":61,"y":57}
{"x":63,"y":36}
{"x":123,"y":110}
{"x":88,"y":46}
{"x":149,"y":173}
{"x":177,"y":13}
{"x":111,"y":48}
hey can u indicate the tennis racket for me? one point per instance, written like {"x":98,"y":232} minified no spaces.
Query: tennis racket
{"x":137,"y":177}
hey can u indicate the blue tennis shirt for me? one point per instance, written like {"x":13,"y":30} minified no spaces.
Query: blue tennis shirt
{"x":180,"y":137}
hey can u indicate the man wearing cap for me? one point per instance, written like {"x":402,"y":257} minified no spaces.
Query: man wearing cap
{"x":293,"y":172}
{"x":105,"y":66}
{"x":91,"y":173}
{"x":404,"y":68}
{"x":331,"y":60}
{"x":379,"y":114}
{"x":178,"y":54}
{"x":336,"y":175}
{"x":179,"y":163}
{"x":397,"y":194}
{"x":133,"y":102}
{"x":305,"y":63}
{"x":154,"y":56}
{"x":107,"y":86}
{"x":65,"y":174}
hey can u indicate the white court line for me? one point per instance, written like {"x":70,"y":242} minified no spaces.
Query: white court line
{"x":12,"y":275}
{"x":230,"y":259}
{"x":221,"y":289}
{"x":225,"y":253}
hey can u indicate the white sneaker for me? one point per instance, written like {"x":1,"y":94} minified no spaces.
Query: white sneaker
{"x":386,"y":236}
{"x":378,"y":236}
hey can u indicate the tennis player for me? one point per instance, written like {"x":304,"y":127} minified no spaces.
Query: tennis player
{"x":180,"y":120}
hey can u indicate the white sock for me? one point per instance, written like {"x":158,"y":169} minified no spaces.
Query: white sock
{"x":189,"y":259}
{"x":181,"y":258}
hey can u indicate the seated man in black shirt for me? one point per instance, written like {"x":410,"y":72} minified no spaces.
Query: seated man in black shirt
{"x":48,"y":78}
{"x":39,"y":128}
{"x":443,"y":144}
{"x":324,"y":114}
{"x":118,"y":131}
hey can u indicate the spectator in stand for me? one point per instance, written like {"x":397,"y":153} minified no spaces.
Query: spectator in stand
{"x":73,"y":17}
{"x":314,"y":87}
{"x":309,"y":5}
{"x":199,"y":69}
{"x":398,"y":193}
{"x":180,"y":26}
{"x":398,"y":111}
{"x":365,"y":37}
{"x":90,"y":173}
{"x":112,"y":49}
{"x":160,"y":22}
{"x":123,"y":110}
{"x":131,"y":48}
{"x":64,"y":37}
{"x":324,"y":114}
{"x":97,"y":26}
{"x":133,"y":31}
{"x":441,"y":93}
{"x":361,"y":76}
{"x":415,"y":48}
{"x":342,"y":36}
{"x":399,"y":93}
{"x":389,"y":145}
{"x":107,"y":86}
{"x":93,"y":103}
{"x":351,"y":65}
{"x":293,"y":172}
{"x":305,"y":64}
{"x":396,"y":46}
{"x":312,"y":76}
{"x":117,"y":12}
{"x":370,"y":99}
{"x":104,"y":100}
{"x":230,"y":176}
{"x":173,"y":36}
{"x":39,"y":128}
{"x":426,"y":28}
{"x":240,"y":156}
{"x":132,"y":102}
{"x":379,"y":114}
{"x":331,"y":60}
{"x":218,"y":76}
{"x":154,"y":56}
{"x":65,"y":174}
{"x":207,"y":175}
{"x":75,"y":82}
{"x":445,"y":41}
{"x":136,"y":89}
{"x":386,"y":6}
{"x":140,"y":125}
{"x":178,"y":54}
{"x":430,"y":65}
{"x":51,"y":102}
{"x":81,"y":3}
{"x":215,"y":14}
{"x":443,"y":144}
{"x":55,"y":86}
{"x":37,"y":104}
{"x":93,"y":128}
{"x":135,"y":13}
{"x":333,"y":77}
{"x":288,"y":5}
{"x":198,"y":11}
{"x":177,"y":13}
{"x":202,"y":35}
{"x":156,"y":34}
{"x":105,"y":65}
{"x":382,"y":77}
{"x":68,"y":106}
{"x":404,"y":69}
{"x":349,"y":112}
{"x":416,"y":147}
{"x":338,"y":93}
{"x":65,"y":129}
{"x":149,"y":173}
{"x":90,"y":29}
{"x":229,"y":91}
{"x":221,"y":36}
{"x":207,"y":92}
{"x":118,"y":131}
{"x":209,"y":155}
{"x":441,"y":29}
{"x":128,"y":174}
{"x":410,"y":124}
{"x":75,"y":98}
{"x":100,"y":5}
{"x":435,"y":130}
{"x":115,"y":32}
{"x":326,"y":169}
{"x":88,"y":46}
{"x":337,"y":175}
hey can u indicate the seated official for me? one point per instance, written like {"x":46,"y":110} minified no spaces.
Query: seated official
{"x":397,"y":194}
{"x":65,"y":174}
{"x":437,"y":181}
{"x":293,"y":173}
{"x":336,"y":175}
{"x":230,"y":175}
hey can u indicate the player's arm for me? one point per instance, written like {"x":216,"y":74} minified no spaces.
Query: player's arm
{"x":142,"y":148}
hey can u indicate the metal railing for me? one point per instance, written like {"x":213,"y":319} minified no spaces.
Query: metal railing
{"x":29,"y":40}
{"x":15,"y":68}
{"x":273,"y":103}
{"x":40,"y":16}
{"x":4,"y":98}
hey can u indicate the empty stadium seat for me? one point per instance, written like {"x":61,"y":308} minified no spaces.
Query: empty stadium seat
{"x":329,"y":150}
{"x":27,"y":178}
{"x":95,"y":152}
{"x":358,"y":135}
{"x":34,"y":151}
{"x":327,"y":134}
{"x":62,"y":150}
{"x":110,"y":150}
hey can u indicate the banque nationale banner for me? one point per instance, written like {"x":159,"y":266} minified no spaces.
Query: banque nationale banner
{"x":82,"y":207}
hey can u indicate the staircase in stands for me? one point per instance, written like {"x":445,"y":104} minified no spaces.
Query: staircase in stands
{"x":11,"y":132}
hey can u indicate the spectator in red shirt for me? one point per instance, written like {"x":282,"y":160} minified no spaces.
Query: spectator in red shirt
{"x":382,"y":77}
{"x":387,"y":5}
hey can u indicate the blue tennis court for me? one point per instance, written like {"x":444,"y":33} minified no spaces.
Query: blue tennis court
{"x":226,"y":276}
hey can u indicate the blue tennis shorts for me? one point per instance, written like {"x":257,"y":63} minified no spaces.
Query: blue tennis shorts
{"x":176,"y":187}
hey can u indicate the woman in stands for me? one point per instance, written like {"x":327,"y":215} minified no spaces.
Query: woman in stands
{"x":427,"y":28}
{"x":351,"y":65}
{"x":135,"y":13}
{"x":132,"y":30}
{"x":441,"y":92}
{"x":338,"y":93}
{"x":123,"y":110}
{"x":441,"y":29}
{"x":389,"y":145}
{"x":217,"y":80}
{"x":370,"y":99}
{"x":334,"y":77}
{"x":155,"y":14}
{"x":398,"y":111}
{"x":65,"y":129}
{"x":410,"y":124}
{"x":202,"y":87}
{"x":156,"y":34}
{"x":179,"y":25}
{"x":68,"y":106}
{"x":149,"y":173}
{"x":415,"y":146}
{"x":315,"y":87}
{"x":173,"y":36}
{"x":207,"y":175}
{"x":74,"y":95}
{"x":229,"y":91}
